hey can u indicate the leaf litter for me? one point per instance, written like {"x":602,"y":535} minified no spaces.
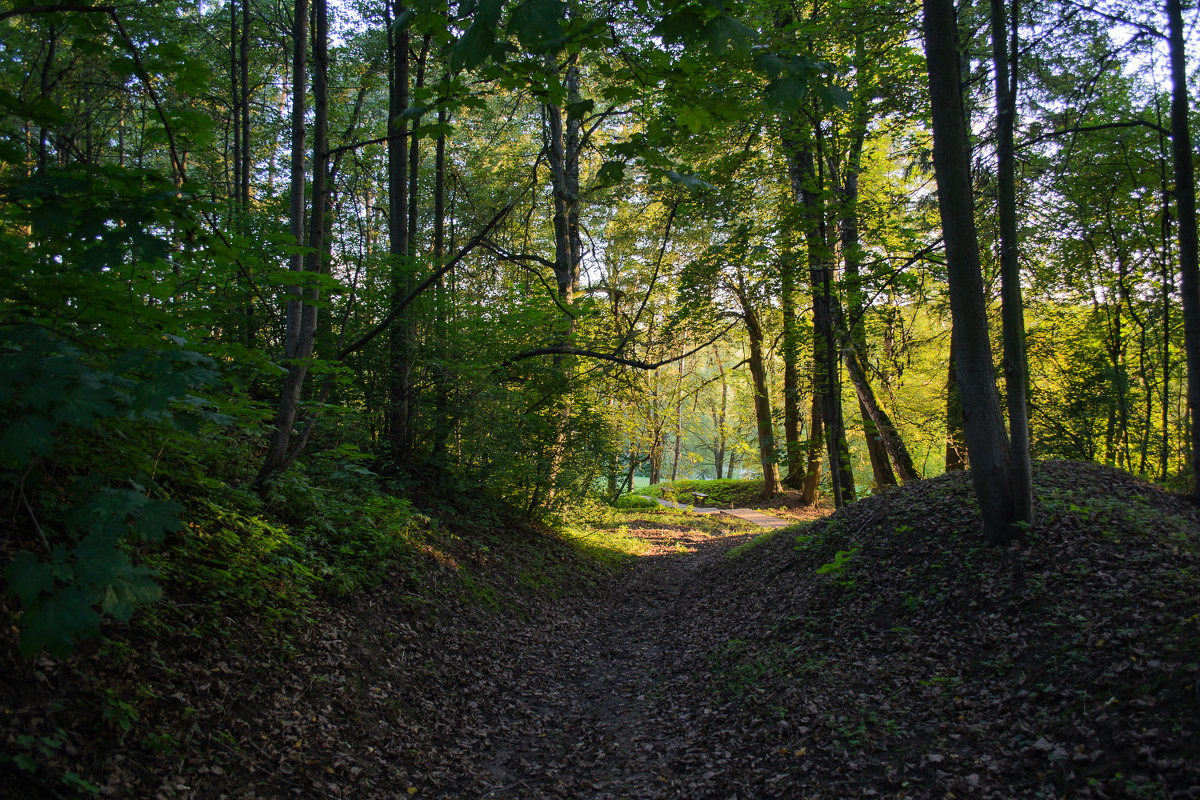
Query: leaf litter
{"x":880,"y":652}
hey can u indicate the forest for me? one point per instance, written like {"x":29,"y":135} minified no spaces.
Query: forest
{"x":308,"y":303}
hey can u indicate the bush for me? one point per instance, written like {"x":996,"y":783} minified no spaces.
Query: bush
{"x":634,"y":502}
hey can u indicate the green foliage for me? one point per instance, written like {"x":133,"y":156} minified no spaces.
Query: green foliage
{"x":91,"y":371}
{"x":723,"y":493}
{"x":634,"y":502}
{"x":59,"y":402}
{"x":837,"y":566}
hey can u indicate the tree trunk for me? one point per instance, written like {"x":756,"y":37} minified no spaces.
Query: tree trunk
{"x":987,"y":441}
{"x":806,"y":186}
{"x":235,"y":116}
{"x":719,"y":449}
{"x":302,"y":309}
{"x":401,"y":337}
{"x":562,"y":155}
{"x":793,"y":447}
{"x":881,"y":425}
{"x":956,"y":448}
{"x":1166,"y":281}
{"x":1189,"y":259}
{"x":762,"y":399}
{"x":244,"y":47}
{"x":816,"y":437}
{"x":414,"y":154}
{"x":1016,"y":369}
{"x":873,"y":429}
{"x":678,"y":424}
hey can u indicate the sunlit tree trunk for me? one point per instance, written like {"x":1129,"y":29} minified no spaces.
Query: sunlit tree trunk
{"x":762,"y":397}
{"x":884,"y":444}
{"x":721,"y":420}
{"x":881,"y":425}
{"x":562,"y":155}
{"x":816,"y":439}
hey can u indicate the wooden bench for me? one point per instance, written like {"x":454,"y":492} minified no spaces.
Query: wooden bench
{"x":700,"y":498}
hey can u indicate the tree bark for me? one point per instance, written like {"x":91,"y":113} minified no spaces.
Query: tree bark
{"x":987,"y":441}
{"x":762,"y":399}
{"x":956,"y":447}
{"x":720,"y":447}
{"x":1016,"y":369}
{"x":235,"y":115}
{"x":875,"y":431}
{"x":793,"y":447}
{"x":247,"y":94}
{"x":816,"y":438}
{"x":1189,"y":248}
{"x":401,"y":339}
{"x":302,"y":307}
{"x":883,"y":427}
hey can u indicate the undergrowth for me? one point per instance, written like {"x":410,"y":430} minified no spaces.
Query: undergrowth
{"x":722,"y":493}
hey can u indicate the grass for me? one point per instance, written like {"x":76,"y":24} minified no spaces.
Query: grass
{"x":724,"y":493}
{"x":606,"y":547}
{"x":761,"y":539}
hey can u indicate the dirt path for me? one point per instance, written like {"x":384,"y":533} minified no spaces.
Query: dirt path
{"x":597,"y":699}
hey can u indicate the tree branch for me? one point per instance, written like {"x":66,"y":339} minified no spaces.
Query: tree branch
{"x":425,"y":284}
{"x":1135,"y":123}
{"x":629,"y":362}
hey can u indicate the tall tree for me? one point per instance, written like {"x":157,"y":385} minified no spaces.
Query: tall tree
{"x":988,"y":449}
{"x":304,"y":299}
{"x":1015,"y":368}
{"x":402,"y":333}
{"x":762,"y":398}
{"x":1189,"y":246}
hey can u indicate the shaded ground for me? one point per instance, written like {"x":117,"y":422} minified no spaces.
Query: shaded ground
{"x":600,"y":699}
{"x":881,"y":652}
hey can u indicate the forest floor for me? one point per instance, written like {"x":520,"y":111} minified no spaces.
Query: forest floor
{"x":879,"y":652}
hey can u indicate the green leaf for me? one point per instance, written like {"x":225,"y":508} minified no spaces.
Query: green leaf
{"x":538,"y":25}
{"x":158,"y":518}
{"x":99,"y":558}
{"x":785,"y":94}
{"x":723,"y":32}
{"x":478,"y":42}
{"x":694,"y":118}
{"x":580,"y":109}
{"x":25,"y":438}
{"x":681,"y":27}
{"x":611,"y":173}
{"x":58,"y":620}
{"x":28,"y":578}
{"x":130,"y":587}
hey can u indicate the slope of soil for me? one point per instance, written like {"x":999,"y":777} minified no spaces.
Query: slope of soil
{"x":879,"y":652}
